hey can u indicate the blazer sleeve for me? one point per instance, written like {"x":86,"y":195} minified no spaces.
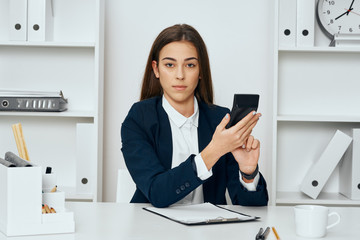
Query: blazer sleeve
{"x":238,"y":193}
{"x":161,"y":186}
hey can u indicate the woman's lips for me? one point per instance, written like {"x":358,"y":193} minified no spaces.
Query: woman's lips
{"x":179,"y":88}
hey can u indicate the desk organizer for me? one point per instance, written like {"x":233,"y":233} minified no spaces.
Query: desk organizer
{"x":21,"y":200}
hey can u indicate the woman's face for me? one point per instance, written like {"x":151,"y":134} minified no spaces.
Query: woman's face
{"x":178,"y":71}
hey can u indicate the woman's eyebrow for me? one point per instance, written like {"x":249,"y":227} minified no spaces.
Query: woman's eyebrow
{"x":173,"y":59}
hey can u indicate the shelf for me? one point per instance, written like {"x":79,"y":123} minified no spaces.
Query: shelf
{"x":314,"y":118}
{"x":325,"y":198}
{"x":47,"y":44}
{"x":75,"y":114}
{"x":321,"y":49}
{"x":71,"y":195}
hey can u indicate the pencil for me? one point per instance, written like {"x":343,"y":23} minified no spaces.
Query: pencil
{"x":54,"y":189}
{"x":52,"y":210}
{"x":47,"y":209}
{"x":43,"y":209}
{"x":276,"y":234}
{"x":20,"y":141}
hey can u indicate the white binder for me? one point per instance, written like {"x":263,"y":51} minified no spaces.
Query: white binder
{"x":287,"y":23}
{"x":320,"y":172}
{"x":305,"y":24}
{"x":85,"y":158}
{"x":40,"y":20}
{"x":349,"y":169}
{"x":18,"y":20}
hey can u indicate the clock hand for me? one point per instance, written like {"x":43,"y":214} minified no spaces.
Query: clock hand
{"x":347,"y":12}
{"x":355,"y":13}
{"x":350,"y":8}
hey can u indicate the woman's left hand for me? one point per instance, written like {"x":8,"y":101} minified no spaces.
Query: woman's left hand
{"x":248,"y":157}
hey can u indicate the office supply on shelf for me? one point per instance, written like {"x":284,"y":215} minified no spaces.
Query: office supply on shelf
{"x":19,"y":162}
{"x":199,"y":214}
{"x":40,"y":20}
{"x":7,"y":163}
{"x":287,"y":23}
{"x":20,"y":141}
{"x":18,"y":20}
{"x":349,"y":169}
{"x":32,"y":101}
{"x":346,"y":40}
{"x":320,"y":172}
{"x":276,"y":233}
{"x":305,"y":24}
{"x":21,"y":204}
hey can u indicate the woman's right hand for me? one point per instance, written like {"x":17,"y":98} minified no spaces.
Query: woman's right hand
{"x":226,"y":140}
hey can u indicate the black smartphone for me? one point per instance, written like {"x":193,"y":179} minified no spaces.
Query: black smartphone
{"x":242,"y":106}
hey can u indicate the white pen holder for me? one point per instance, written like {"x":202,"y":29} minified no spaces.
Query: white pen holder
{"x":21,"y":204}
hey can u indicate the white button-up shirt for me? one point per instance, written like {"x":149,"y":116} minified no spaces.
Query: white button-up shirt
{"x":185,"y":142}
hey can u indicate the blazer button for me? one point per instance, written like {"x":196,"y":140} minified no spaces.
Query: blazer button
{"x":182,"y":187}
{"x":187,"y":184}
{"x":178,"y":191}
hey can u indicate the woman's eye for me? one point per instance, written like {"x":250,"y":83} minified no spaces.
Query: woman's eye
{"x":169,"y":65}
{"x":190,"y":65}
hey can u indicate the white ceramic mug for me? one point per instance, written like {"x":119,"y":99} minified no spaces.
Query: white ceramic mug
{"x":312,"y":220}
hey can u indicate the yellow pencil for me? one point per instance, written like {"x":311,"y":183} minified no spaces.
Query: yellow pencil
{"x":276,"y":234}
{"x":54,"y":189}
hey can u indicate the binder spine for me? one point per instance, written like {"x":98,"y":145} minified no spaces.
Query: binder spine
{"x":18,"y":20}
{"x":40,"y":20}
{"x":320,"y":172}
{"x":305,"y":23}
{"x":349,"y":169}
{"x":287,"y":23}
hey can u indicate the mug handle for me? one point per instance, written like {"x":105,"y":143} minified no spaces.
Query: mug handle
{"x":337,"y":221}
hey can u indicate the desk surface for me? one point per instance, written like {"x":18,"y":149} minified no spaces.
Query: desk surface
{"x":130,"y":221}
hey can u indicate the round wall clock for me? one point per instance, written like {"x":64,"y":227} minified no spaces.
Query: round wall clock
{"x":339,"y":17}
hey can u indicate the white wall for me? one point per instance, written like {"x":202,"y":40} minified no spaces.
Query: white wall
{"x":239,"y":37}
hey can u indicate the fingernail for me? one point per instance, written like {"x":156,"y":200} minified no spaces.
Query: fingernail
{"x":227,"y":116}
{"x":254,"y":112}
{"x":243,"y":146}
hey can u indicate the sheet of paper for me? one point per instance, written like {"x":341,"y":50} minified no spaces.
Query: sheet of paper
{"x":199,"y":213}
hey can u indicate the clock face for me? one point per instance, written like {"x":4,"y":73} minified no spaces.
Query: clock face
{"x":339,"y":16}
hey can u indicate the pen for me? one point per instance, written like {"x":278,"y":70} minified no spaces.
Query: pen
{"x":258,"y":235}
{"x":276,"y":234}
{"x":266,"y":233}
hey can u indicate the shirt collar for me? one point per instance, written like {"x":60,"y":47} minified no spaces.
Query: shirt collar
{"x":177,"y":117}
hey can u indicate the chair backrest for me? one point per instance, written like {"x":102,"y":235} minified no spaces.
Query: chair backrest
{"x":125,"y":186}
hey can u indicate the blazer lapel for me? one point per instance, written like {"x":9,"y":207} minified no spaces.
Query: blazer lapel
{"x":164,"y":141}
{"x":204,"y":137}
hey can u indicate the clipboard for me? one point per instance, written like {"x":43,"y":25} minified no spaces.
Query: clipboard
{"x":201,"y":214}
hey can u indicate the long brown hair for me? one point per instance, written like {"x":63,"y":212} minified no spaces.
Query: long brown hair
{"x":180,"y":32}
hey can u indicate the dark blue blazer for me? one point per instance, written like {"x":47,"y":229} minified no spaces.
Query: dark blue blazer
{"x":147,"y":149}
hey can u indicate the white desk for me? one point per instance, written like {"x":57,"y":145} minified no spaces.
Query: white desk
{"x":102,"y":221}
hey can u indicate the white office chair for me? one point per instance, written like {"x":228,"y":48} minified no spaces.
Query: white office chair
{"x":125,"y":187}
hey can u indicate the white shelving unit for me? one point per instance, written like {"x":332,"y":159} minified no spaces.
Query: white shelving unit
{"x":71,"y":62}
{"x":316,"y":92}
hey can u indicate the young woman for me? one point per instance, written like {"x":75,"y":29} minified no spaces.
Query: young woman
{"x":174,"y":141}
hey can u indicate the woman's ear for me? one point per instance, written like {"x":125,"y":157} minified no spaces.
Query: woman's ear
{"x":155,"y":68}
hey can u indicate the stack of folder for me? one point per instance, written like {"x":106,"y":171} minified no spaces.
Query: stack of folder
{"x":31,"y":20}
{"x":14,"y":100}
